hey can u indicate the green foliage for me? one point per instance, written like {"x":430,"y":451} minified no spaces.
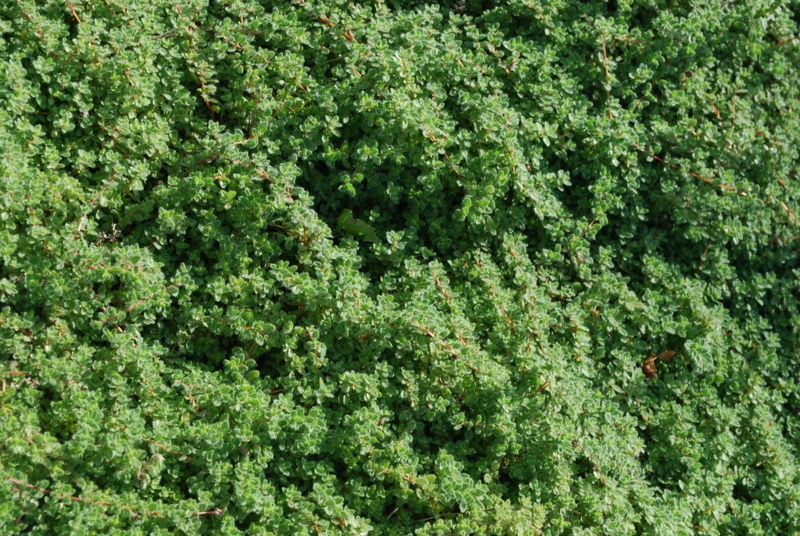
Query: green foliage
{"x":197,"y":335}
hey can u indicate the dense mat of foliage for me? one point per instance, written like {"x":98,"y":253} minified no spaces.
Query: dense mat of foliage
{"x":389,"y":268}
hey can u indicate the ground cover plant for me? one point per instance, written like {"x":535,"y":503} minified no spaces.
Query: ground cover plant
{"x":389,"y":268}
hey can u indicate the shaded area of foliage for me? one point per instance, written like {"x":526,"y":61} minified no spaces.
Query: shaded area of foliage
{"x":390,"y":268}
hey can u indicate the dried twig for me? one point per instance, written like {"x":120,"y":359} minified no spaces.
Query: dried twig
{"x":74,"y":14}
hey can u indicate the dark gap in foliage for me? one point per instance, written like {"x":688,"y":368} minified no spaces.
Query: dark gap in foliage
{"x":248,"y":520}
{"x":742,"y":492}
{"x":412,"y":206}
{"x":664,"y":469}
{"x":576,"y":195}
{"x":270,"y":364}
{"x":643,"y":16}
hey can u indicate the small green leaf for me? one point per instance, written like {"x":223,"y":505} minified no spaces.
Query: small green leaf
{"x":356,"y":227}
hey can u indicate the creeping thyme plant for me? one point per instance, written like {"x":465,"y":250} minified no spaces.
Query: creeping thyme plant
{"x":377,"y":267}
